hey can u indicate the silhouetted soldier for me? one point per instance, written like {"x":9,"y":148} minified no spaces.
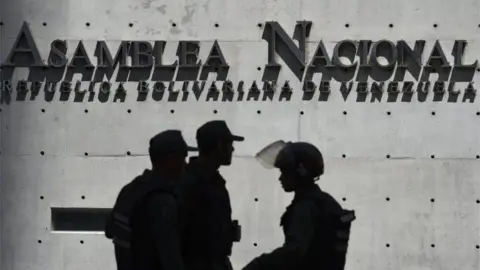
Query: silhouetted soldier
{"x":209,"y":230}
{"x":316,"y":227}
{"x":143,"y":224}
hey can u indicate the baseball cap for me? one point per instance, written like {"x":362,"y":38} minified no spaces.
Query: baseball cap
{"x":169,"y":142}
{"x":214,"y":132}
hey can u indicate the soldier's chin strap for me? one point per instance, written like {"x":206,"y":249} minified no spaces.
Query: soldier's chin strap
{"x":316,"y":178}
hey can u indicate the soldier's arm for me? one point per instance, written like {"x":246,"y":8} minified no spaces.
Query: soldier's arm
{"x":297,"y":241}
{"x":163,"y":217}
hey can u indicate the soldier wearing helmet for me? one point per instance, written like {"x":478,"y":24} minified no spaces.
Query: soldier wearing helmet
{"x":300,"y":164}
{"x":316,"y":227}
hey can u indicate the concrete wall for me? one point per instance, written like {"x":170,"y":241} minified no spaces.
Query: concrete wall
{"x":417,"y":209}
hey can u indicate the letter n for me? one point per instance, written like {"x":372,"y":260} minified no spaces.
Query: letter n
{"x":279,"y":42}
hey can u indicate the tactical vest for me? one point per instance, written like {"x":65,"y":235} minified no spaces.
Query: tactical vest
{"x":330,"y":244}
{"x":119,"y":227}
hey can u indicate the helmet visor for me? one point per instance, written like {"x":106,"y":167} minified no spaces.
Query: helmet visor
{"x":269,"y":153}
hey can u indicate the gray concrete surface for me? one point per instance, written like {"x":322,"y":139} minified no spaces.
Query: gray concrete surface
{"x":420,"y":233}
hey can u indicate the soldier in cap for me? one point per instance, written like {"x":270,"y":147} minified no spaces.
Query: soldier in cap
{"x":316,"y":227}
{"x":209,"y":230}
{"x":144,"y":224}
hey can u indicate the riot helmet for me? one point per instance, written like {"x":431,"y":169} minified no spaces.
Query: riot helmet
{"x":301,"y":157}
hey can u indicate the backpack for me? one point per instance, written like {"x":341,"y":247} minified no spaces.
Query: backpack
{"x":342,"y":237}
{"x":119,"y":225}
{"x":340,"y":221}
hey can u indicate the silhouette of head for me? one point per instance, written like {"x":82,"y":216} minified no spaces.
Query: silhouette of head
{"x":215,"y":141}
{"x":168,"y":151}
{"x":300,"y":165}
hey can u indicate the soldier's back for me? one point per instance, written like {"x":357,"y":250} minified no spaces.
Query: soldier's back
{"x":158,"y":209}
{"x":140,"y":204}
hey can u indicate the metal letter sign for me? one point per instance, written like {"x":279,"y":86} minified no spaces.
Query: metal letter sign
{"x":351,"y":63}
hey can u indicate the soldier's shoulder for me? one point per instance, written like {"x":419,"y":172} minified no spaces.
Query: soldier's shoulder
{"x":161,"y":199}
{"x":328,"y":199}
{"x":191,"y":179}
{"x":305,"y":206}
{"x":328,"y":205}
